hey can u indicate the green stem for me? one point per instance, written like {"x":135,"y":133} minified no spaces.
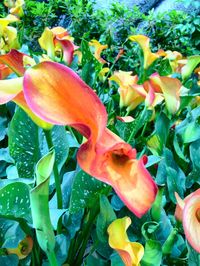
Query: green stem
{"x":56,"y":178}
{"x":86,"y":236}
{"x":52,"y":259}
{"x":55,"y":170}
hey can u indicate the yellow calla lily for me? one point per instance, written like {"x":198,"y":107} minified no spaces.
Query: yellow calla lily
{"x":144,"y":42}
{"x":98,"y":48}
{"x":130,"y":252}
{"x":8,"y":34}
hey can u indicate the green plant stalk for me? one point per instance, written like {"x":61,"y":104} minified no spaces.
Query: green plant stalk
{"x":52,"y":259}
{"x":86,"y":236}
{"x":55,"y":170}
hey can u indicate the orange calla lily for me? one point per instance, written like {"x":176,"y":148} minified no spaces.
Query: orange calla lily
{"x":144,"y":43}
{"x":4,"y":71}
{"x":188,"y":211}
{"x":58,"y":41}
{"x":130,"y":252}
{"x":57,"y":95}
{"x":98,"y":48}
{"x":12,"y":89}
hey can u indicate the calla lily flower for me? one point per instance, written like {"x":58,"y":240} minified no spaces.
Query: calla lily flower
{"x":4,"y":71}
{"x":8,"y":34}
{"x":23,"y":249}
{"x":98,"y":48}
{"x":188,"y":211}
{"x":57,"y":41}
{"x":12,"y":89}
{"x":16,"y":7}
{"x":144,"y":43}
{"x":130,"y":252}
{"x":131,"y":94}
{"x":57,"y":95}
{"x":152,"y":91}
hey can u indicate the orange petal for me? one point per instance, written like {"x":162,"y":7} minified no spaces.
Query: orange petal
{"x":191,"y":221}
{"x":143,"y":42}
{"x":4,"y":71}
{"x":59,"y":96}
{"x":130,"y":252}
{"x":14,"y":60}
{"x":115,"y":163}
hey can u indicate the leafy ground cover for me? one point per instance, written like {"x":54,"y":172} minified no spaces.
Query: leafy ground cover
{"x":99,"y":135}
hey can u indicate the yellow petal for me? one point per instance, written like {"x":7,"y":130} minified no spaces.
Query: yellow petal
{"x":9,"y":89}
{"x":98,"y":48}
{"x":143,"y":42}
{"x":130,"y":252}
{"x":46,"y":42}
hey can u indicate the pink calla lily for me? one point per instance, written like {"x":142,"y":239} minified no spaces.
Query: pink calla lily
{"x":188,"y":211}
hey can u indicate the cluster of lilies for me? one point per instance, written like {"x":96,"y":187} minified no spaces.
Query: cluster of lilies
{"x":53,"y":94}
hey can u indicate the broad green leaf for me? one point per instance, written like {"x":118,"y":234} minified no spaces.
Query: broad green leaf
{"x":104,"y":219}
{"x":157,"y":205}
{"x":15,"y":202}
{"x":194,"y":257}
{"x":152,"y":254}
{"x":85,"y":192}
{"x":164,"y":68}
{"x":39,"y":197}
{"x":3,"y":127}
{"x":23,"y":143}
{"x":116,"y":260}
{"x":91,"y":261}
{"x":9,"y":260}
{"x":10,"y":233}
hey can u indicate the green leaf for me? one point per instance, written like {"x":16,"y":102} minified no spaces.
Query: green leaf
{"x":23,"y":143}
{"x":164,"y":68}
{"x":116,"y":260}
{"x":104,"y":219}
{"x":9,"y":260}
{"x":152,"y":254}
{"x":3,"y":127}
{"x":39,"y":197}
{"x":10,"y":233}
{"x":85,"y":192}
{"x":91,"y":66}
{"x":194,"y":257}
{"x":15,"y":202}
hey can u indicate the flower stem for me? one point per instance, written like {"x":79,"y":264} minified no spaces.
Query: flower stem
{"x":55,"y":170}
{"x":52,"y":259}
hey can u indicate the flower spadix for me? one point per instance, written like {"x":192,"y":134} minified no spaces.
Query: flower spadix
{"x":188,"y":211}
{"x":130,"y":252}
{"x":57,"y":95}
